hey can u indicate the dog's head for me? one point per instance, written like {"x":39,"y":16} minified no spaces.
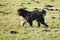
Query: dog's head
{"x":23,"y":12}
{"x":19,"y":11}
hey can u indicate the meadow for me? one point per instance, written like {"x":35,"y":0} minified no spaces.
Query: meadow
{"x":10,"y":21}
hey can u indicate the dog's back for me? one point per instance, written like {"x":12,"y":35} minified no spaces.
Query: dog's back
{"x":36,"y":14}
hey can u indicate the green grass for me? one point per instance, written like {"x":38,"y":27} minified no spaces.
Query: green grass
{"x":10,"y":21}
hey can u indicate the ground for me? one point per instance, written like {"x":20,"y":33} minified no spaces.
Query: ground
{"x":10,"y":21}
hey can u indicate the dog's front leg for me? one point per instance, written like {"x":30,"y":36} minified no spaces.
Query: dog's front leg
{"x":38,"y":24}
{"x":23,"y":22}
{"x":38,"y":21}
{"x":30,"y":23}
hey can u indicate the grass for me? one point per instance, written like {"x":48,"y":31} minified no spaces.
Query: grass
{"x":10,"y":21}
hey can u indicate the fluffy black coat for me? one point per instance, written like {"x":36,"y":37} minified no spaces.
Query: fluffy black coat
{"x":31,"y":16}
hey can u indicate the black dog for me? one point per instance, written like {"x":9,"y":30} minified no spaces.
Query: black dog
{"x":31,"y":16}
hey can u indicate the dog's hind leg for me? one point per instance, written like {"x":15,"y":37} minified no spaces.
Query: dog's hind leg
{"x":45,"y":25}
{"x":43,"y":22}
